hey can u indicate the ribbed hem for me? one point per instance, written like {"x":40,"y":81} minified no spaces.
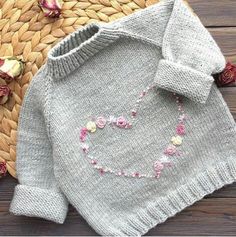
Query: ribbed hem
{"x":183,"y":80}
{"x":157,"y":212}
{"x":36,"y":202}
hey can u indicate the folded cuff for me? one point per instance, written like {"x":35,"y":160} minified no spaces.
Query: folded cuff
{"x":183,"y":80}
{"x":37,"y":202}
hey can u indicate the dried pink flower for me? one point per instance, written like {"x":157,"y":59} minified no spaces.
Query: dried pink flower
{"x":51,"y":8}
{"x":5,"y":92}
{"x":3,"y":169}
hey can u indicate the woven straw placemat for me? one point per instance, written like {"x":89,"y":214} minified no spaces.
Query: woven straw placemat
{"x":28,"y":34}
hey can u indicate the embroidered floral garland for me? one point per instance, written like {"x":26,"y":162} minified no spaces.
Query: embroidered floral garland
{"x":123,"y":123}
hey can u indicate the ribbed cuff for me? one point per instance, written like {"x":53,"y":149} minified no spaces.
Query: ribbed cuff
{"x":37,"y":202}
{"x":183,"y":80}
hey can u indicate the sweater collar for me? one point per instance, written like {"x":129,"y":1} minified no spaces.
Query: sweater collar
{"x":79,"y":46}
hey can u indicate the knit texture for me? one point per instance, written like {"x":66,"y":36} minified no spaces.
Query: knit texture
{"x":99,"y":71}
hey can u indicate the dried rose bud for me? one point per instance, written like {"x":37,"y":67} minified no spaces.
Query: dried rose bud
{"x":10,"y":68}
{"x":3,"y":169}
{"x":51,"y":8}
{"x":5,"y":92}
{"x":227,"y":76}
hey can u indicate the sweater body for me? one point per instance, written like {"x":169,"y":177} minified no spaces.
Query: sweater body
{"x":110,"y":88}
{"x":131,"y":127}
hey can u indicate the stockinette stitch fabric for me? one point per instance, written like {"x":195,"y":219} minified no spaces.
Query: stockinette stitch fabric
{"x":125,"y":123}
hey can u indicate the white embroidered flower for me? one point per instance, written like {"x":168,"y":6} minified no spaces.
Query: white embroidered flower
{"x":91,"y":126}
{"x":177,"y":140}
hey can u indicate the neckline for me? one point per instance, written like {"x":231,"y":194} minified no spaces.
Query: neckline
{"x":78,"y":47}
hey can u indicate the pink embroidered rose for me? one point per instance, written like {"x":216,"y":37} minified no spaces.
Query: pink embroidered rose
{"x":180,"y":129}
{"x":101,"y":122}
{"x":83,"y":134}
{"x":158,"y":166}
{"x":121,"y":122}
{"x":170,"y":150}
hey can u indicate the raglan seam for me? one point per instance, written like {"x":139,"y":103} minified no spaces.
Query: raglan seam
{"x":47,"y":92}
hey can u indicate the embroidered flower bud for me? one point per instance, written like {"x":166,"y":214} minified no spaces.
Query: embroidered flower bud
{"x":180,"y":129}
{"x":158,"y":167}
{"x":91,"y":126}
{"x":101,"y":122}
{"x":227,"y":76}
{"x":10,"y":68}
{"x":128,"y":125}
{"x":93,"y":162}
{"x":3,"y":169}
{"x":85,"y":148}
{"x":170,"y":150}
{"x":134,"y":112}
{"x":51,"y":8}
{"x":136,"y":174}
{"x":165,"y":161}
{"x":102,"y":171}
{"x":83,"y":134}
{"x":177,"y":140}
{"x":5,"y":92}
{"x":111,"y":120}
{"x":121,"y":122}
{"x":182,"y":118}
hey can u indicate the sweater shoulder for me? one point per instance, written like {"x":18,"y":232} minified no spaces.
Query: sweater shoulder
{"x":38,"y":89}
{"x":37,"y":95}
{"x":36,"y":101}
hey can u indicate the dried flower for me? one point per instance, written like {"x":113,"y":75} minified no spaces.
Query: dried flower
{"x":3,"y":169}
{"x":5,"y":92}
{"x":10,"y":68}
{"x":228,"y":75}
{"x":51,"y":8}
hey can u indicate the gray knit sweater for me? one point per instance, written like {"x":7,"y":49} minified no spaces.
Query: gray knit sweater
{"x":125,"y":123}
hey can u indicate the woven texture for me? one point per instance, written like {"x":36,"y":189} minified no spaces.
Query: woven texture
{"x":26,"y":33}
{"x":121,"y":178}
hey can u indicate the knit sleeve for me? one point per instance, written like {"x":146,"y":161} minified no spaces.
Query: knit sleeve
{"x":37,"y":194}
{"x":190,"y":56}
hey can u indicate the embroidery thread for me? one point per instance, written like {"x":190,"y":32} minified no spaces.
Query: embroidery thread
{"x":122,"y":122}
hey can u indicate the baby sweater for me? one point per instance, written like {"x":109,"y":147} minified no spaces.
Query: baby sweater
{"x":125,"y":123}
